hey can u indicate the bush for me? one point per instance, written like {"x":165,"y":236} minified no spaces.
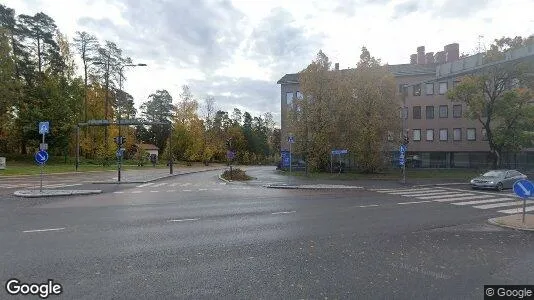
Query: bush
{"x":236,"y":174}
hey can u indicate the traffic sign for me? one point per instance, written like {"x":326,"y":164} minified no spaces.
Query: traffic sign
{"x":230,"y":154}
{"x":291,"y":139}
{"x":44,"y":127}
{"x":342,"y":151}
{"x":403,"y":148}
{"x":41,"y":157}
{"x":524,"y":188}
{"x":43,"y":146}
{"x":285,"y":159}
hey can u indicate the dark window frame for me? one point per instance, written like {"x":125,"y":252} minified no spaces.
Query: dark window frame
{"x":446,"y":111}
{"x":446,"y":87}
{"x":453,"y":111}
{"x":417,"y":89}
{"x":467,"y":134}
{"x":447,"y":137}
{"x":416,"y":116}
{"x":433,"y":135}
{"x":413,"y":134}
{"x":427,"y":111}
{"x":453,"y":136}
{"x":433,"y":88}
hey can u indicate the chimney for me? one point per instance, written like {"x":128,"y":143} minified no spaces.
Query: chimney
{"x":440,"y":57}
{"x":336,"y":66}
{"x":413,"y":59}
{"x":421,"y":55}
{"x":429,"y":58}
{"x":452,"y":52}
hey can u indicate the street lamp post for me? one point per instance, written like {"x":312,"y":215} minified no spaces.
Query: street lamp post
{"x":119,"y":152}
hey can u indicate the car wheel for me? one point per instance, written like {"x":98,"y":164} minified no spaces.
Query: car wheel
{"x":499,"y":186}
{"x":474,"y":187}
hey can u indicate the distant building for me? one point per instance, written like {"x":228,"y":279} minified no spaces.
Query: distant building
{"x":440,"y":136}
{"x":149,"y":148}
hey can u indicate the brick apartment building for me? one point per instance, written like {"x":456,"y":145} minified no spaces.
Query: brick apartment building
{"x":440,"y":134}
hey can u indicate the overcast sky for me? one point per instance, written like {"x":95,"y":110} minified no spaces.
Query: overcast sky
{"x":237,"y":50}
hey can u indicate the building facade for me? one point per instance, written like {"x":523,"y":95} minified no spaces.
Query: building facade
{"x":440,"y":133}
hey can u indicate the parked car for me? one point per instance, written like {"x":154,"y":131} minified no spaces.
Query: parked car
{"x":497,"y":179}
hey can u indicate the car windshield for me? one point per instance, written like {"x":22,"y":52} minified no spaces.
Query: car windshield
{"x":494,"y":174}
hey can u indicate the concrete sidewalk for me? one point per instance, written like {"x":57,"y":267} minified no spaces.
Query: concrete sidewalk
{"x":144,"y":176}
{"x":515,"y":222}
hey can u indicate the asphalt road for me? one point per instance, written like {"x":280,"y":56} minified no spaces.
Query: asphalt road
{"x":192,"y":237}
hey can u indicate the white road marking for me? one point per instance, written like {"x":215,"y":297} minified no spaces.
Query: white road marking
{"x":171,"y":191}
{"x":154,"y":191}
{"x":516,"y":210}
{"x":174,"y":184}
{"x":414,"y":202}
{"x":118,"y":192}
{"x":483,"y":201}
{"x":511,"y":203}
{"x":159,"y":184}
{"x":416,"y":192}
{"x":184,"y":220}
{"x":186,"y":184}
{"x":136,"y":192}
{"x":146,"y":184}
{"x":186,"y":190}
{"x":444,"y":195}
{"x":370,"y":205}
{"x":421,"y":194}
{"x":60,"y":185}
{"x":42,"y":230}
{"x":216,"y":189}
{"x":202,"y":189}
{"x":462,"y":198}
{"x":401,"y":190}
{"x":283,"y":212}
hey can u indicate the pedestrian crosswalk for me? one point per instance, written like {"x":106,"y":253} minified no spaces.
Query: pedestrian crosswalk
{"x":505,"y":203}
{"x":178,"y":187}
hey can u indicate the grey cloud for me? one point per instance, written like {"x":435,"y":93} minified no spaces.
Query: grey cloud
{"x":278,"y":43}
{"x":200,"y":34}
{"x":350,"y":7}
{"x":258,"y":96}
{"x":406,"y":8}
{"x":460,"y":9}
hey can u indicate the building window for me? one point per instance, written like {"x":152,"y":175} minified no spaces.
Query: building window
{"x":442,"y":88}
{"x":443,"y":111}
{"x":417,"y":112}
{"x":471,"y":134}
{"x":430,"y":134}
{"x":404,"y":113}
{"x":484,"y":134}
{"x":430,"y":88}
{"x":390,"y":136}
{"x":457,"y":110}
{"x":430,"y":112}
{"x":402,"y":87}
{"x":299,"y":95}
{"x":457,"y":134}
{"x":417,"y":134}
{"x":289,"y":98}
{"x":443,"y":134}
{"x":417,"y":90}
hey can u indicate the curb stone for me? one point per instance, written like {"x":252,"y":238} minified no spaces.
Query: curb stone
{"x":153,"y":179}
{"x":54,"y":193}
{"x":493,"y":221}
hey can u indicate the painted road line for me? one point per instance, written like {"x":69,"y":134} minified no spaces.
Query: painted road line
{"x":483,"y":201}
{"x":516,"y":210}
{"x":410,"y":191}
{"x":118,"y":192}
{"x":186,"y":184}
{"x":414,"y":202}
{"x":216,"y":189}
{"x":159,"y":184}
{"x":144,"y":185}
{"x":174,"y":184}
{"x":511,"y":203}
{"x":478,"y":192}
{"x":422,"y":194}
{"x":416,"y":192}
{"x":283,"y":212}
{"x":43,"y":230}
{"x":171,"y":191}
{"x":136,"y":192}
{"x":58,"y":185}
{"x":186,"y":190}
{"x":202,"y":189}
{"x":183,"y":220}
{"x":370,"y":205}
{"x":445,"y":195}
{"x":400,"y":190}
{"x":154,"y":191}
{"x":462,"y":198}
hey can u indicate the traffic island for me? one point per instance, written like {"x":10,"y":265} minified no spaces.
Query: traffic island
{"x":313,"y":186}
{"x":54,"y":193}
{"x":515,"y":222}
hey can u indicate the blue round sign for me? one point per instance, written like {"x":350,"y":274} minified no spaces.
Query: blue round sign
{"x":524,"y":188}
{"x":41,"y":157}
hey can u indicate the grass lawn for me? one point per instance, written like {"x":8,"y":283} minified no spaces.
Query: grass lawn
{"x":457,"y":174}
{"x":24,"y":168}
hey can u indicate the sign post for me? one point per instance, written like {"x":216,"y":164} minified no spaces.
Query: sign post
{"x":42,"y":156}
{"x":402,"y":161}
{"x":291,"y":140}
{"x":524,"y":189}
{"x":338,"y":152}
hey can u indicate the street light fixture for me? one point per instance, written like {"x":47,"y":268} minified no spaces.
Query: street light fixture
{"x":119,"y":116}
